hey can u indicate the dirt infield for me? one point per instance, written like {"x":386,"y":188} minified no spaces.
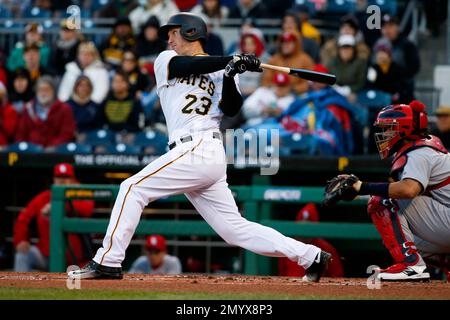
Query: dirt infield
{"x":273,"y":286}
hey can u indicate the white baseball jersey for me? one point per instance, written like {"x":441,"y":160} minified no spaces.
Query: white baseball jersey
{"x":190,"y":104}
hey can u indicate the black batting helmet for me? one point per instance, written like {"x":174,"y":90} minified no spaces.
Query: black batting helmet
{"x":192,"y":27}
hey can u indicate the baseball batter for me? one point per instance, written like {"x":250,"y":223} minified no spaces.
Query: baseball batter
{"x":195,"y":90}
{"x":411,"y":214}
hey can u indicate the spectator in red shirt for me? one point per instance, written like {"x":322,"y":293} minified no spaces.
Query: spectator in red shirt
{"x":3,"y":73}
{"x":35,"y":257}
{"x":289,"y":268}
{"x":46,"y":120}
{"x":8,"y":118}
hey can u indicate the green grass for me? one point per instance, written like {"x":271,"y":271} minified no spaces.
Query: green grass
{"x":101,"y":294}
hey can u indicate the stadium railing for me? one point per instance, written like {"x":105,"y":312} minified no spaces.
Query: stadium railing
{"x":97,"y":29}
{"x":256,"y":203}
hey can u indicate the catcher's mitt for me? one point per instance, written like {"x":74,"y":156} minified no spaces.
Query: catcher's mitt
{"x":340,"y":188}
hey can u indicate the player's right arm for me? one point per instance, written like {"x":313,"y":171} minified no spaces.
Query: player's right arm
{"x":182,"y":66}
{"x":169,"y":65}
{"x":403,"y":189}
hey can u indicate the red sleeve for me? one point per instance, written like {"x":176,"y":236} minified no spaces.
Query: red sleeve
{"x":335,"y":268}
{"x":23,"y":127}
{"x":3,"y":76}
{"x":21,"y":227}
{"x":67,"y":131}
{"x":83,"y":208}
{"x":10,"y":121}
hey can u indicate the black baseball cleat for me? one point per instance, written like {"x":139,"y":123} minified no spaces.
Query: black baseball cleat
{"x":93,"y":270}
{"x":319,"y":266}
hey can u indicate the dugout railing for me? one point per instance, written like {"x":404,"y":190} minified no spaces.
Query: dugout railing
{"x":256,"y":204}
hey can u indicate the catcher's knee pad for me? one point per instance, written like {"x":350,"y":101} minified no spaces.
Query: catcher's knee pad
{"x":384,"y":214}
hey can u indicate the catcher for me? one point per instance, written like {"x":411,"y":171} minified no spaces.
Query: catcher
{"x":412,"y":214}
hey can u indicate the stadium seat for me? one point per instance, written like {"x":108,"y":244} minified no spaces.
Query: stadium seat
{"x":25,"y":147}
{"x":296,"y":144}
{"x":100,"y":137}
{"x":151,"y":142}
{"x":35,"y":12}
{"x":122,"y":148}
{"x":228,"y":3}
{"x":73,"y":148}
{"x":310,"y":4}
{"x":374,"y":99}
{"x":329,"y":6}
{"x":341,"y":6}
{"x":85,"y":13}
{"x":361,"y":114}
{"x":5,"y":12}
{"x":386,"y":6}
{"x":48,"y":24}
{"x":98,"y":4}
{"x":88,"y":23}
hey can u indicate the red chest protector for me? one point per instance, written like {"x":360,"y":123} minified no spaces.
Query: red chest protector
{"x":401,"y":157}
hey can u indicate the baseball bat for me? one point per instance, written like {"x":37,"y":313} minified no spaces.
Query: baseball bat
{"x":304,"y":74}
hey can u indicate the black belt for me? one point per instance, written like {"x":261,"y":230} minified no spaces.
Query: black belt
{"x":216,"y":135}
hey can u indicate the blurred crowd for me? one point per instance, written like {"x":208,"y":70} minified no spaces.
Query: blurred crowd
{"x":52,"y":94}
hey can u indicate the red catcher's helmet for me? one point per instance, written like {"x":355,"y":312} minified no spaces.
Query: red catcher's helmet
{"x":398,"y":122}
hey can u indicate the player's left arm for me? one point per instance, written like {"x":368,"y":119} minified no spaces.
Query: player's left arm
{"x":347,"y":187}
{"x":232,"y":101}
{"x":414,"y":179}
{"x":403,"y":189}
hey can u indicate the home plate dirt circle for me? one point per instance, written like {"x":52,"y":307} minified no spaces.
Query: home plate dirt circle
{"x":339,"y":288}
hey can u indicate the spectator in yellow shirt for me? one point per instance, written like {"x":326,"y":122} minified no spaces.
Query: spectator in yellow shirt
{"x":308,"y":30}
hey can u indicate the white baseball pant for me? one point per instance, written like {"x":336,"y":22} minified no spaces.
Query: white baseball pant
{"x":197,"y":169}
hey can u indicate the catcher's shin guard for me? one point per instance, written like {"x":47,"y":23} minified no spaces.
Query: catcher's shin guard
{"x":384,"y":214}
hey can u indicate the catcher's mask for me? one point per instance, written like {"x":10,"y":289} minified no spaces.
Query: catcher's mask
{"x":399,"y":122}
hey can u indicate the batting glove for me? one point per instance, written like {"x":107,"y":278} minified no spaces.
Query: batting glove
{"x":251,"y":62}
